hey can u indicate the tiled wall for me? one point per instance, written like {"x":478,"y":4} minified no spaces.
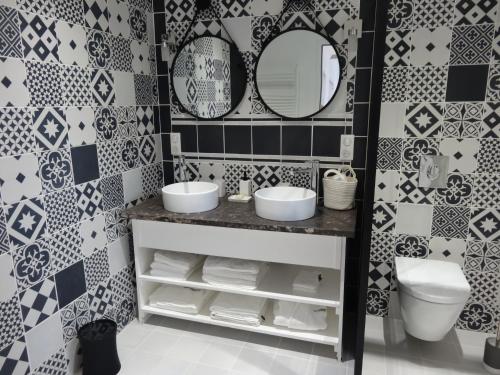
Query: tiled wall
{"x":441,"y":96}
{"x":78,"y":143}
{"x":250,"y":138}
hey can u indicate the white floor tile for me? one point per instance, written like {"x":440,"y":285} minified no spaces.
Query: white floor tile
{"x":325,"y":366}
{"x":404,"y":366}
{"x":295,"y":348}
{"x":133,"y":334}
{"x":267,"y":343}
{"x":285,"y":365}
{"x":158,"y":342}
{"x":140,"y":362}
{"x":189,"y":348}
{"x":374,"y":363}
{"x":200,"y":369}
{"x":169,"y":365}
{"x":254,"y":362}
{"x":221,"y":355}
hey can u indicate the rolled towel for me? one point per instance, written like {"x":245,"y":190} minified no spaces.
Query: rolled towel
{"x":231,"y":267}
{"x":242,"y":283}
{"x":307,"y":281}
{"x":300,"y":316}
{"x":178,"y":260}
{"x":237,"y":308}
{"x":175,"y":298}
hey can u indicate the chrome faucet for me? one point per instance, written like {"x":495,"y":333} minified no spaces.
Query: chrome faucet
{"x":182,"y":168}
{"x":313,"y":171}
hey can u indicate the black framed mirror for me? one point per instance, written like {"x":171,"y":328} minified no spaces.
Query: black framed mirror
{"x":298,"y":73}
{"x":208,"y":77}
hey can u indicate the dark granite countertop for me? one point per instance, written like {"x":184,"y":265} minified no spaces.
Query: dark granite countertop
{"x":242,"y":215}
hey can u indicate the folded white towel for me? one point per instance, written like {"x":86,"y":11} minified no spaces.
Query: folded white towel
{"x":300,"y":316}
{"x":175,"y":298}
{"x":231,"y":266}
{"x":238,"y":308}
{"x":242,"y":283}
{"x":175,"y":275}
{"x":178,"y":260}
{"x":307,"y":281}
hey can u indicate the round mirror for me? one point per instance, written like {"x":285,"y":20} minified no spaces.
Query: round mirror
{"x":209,"y":77}
{"x":298,"y":73}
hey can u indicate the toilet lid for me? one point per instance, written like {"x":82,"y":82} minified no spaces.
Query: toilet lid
{"x":432,"y":280}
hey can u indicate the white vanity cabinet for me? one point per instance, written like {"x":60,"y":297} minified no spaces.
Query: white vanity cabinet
{"x":286,"y":252}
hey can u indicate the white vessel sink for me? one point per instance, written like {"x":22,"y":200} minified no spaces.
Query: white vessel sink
{"x":189,"y":197}
{"x":285,"y":203}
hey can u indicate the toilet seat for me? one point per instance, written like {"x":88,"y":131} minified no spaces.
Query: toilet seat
{"x":432,"y":280}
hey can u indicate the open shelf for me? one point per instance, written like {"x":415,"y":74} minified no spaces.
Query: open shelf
{"x":276,"y":284}
{"x":328,"y":336}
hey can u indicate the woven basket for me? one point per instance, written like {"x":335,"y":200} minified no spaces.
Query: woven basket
{"x":339,"y":187}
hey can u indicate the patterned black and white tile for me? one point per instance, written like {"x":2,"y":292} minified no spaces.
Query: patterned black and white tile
{"x":63,"y":147}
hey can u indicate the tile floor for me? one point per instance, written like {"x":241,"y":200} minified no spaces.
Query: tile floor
{"x":168,"y":346}
{"x":389,"y":351}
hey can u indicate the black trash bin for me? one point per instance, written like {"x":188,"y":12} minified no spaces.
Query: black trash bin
{"x":98,"y":345}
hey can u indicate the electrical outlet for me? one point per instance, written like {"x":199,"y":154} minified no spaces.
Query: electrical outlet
{"x":175,"y":143}
{"x":346,"y":147}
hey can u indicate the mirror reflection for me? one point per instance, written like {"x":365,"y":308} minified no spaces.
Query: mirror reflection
{"x":298,"y":73}
{"x":209,"y":77}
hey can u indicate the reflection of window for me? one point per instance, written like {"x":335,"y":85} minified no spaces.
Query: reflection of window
{"x":329,"y":73}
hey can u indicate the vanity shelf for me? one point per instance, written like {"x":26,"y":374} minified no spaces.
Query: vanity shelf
{"x":276,"y":284}
{"x":330,"y":336}
{"x":233,"y":230}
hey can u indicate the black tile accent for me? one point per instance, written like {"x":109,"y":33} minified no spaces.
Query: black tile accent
{"x":360,"y":119}
{"x":238,"y":139}
{"x":266,"y":140}
{"x":165,"y":146}
{"x":161,"y":66}
{"x":160,"y":26}
{"x":211,"y":138}
{"x":466,"y":83}
{"x":156,"y":119}
{"x":367,"y":14}
{"x":168,"y":172}
{"x":326,"y":140}
{"x":70,"y":284}
{"x":362,"y":90}
{"x":360,"y":176}
{"x":296,"y":140}
{"x":158,"y":6}
{"x":163,"y":95}
{"x":359,"y":152}
{"x":189,"y":140}
{"x":365,"y":51}
{"x":165,"y":120}
{"x":85,"y":165}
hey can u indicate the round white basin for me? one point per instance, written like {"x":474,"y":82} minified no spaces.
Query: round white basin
{"x":189,"y":197}
{"x":283,"y":203}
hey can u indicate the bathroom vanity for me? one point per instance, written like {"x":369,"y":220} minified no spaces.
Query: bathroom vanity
{"x":234,"y":230}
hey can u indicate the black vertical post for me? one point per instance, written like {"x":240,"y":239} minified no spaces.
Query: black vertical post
{"x":371,"y":165}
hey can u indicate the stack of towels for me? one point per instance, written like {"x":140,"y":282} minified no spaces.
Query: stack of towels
{"x":234,"y":308}
{"x":300,"y":316}
{"x":176,"y":298}
{"x":245,"y":274}
{"x":175,"y":265}
{"x":307,"y":281}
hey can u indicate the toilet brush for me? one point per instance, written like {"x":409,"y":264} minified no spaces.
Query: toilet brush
{"x":491,"y":359}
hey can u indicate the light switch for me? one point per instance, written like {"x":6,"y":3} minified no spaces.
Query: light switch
{"x":175,"y":143}
{"x":346,"y":147}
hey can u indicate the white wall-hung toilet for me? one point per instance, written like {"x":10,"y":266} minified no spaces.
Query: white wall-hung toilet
{"x":432,"y":293}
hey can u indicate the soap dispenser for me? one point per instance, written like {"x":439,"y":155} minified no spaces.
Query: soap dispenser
{"x":245,"y":185}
